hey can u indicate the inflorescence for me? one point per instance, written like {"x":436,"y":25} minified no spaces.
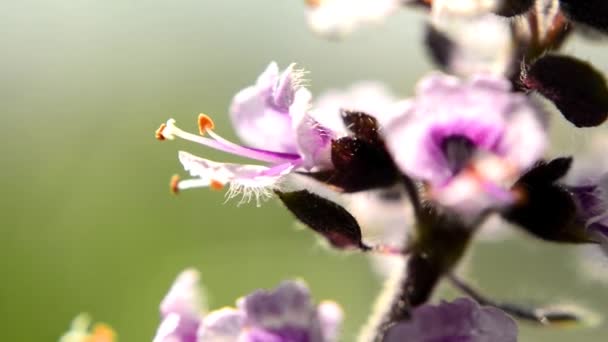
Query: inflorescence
{"x":471,"y":144}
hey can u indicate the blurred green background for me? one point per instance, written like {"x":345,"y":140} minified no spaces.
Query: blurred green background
{"x":88,"y":223}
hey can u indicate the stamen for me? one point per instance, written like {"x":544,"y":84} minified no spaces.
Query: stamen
{"x":170,"y":131}
{"x":174,"y":184}
{"x":178,"y":185}
{"x":204,"y":123}
{"x":159,"y":132}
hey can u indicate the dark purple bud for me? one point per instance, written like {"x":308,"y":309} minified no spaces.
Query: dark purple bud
{"x":361,"y":161}
{"x":593,"y":13}
{"x":577,"y":89}
{"x":439,"y":46}
{"x":325,"y":217}
{"x":359,"y":165}
{"x":547,"y":209}
{"x":511,"y":8}
{"x":362,"y":125}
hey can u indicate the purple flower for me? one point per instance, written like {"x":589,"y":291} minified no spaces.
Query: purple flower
{"x":272,"y":118}
{"x":467,"y":140}
{"x":285,"y":314}
{"x":462,"y":320}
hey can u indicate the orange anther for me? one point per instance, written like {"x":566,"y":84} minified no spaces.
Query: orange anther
{"x":102,"y":333}
{"x":159,"y":132}
{"x":173,"y":184}
{"x":216,"y":185}
{"x":314,"y":3}
{"x":204,"y":123}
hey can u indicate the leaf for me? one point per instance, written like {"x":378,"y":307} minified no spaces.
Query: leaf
{"x":577,"y":89}
{"x":325,"y":217}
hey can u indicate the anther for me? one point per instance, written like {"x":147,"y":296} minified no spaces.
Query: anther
{"x":159,"y":132}
{"x":216,"y":185}
{"x":314,"y":3}
{"x":102,"y":333}
{"x":173,"y":184}
{"x":204,"y":123}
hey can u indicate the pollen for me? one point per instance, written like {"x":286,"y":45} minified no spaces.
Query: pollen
{"x":173,"y":184}
{"x":159,"y":132}
{"x":204,"y":123}
{"x":216,"y":185}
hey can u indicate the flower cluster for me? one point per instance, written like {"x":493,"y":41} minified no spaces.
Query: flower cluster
{"x":410,"y":178}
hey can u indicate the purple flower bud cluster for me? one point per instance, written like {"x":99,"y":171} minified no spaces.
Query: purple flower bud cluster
{"x":472,"y":142}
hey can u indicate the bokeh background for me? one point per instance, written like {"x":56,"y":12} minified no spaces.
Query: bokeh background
{"x":87,"y":221}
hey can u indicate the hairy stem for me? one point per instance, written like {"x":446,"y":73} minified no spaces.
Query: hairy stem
{"x":440,"y":243}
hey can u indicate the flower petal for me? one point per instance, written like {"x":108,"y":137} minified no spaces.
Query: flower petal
{"x":481,"y":110}
{"x":223,"y":325}
{"x":250,"y":179}
{"x":287,"y":305}
{"x":460,"y":320}
{"x":260,"y":113}
{"x":181,"y":309}
{"x":314,"y":144}
{"x":330,"y":317}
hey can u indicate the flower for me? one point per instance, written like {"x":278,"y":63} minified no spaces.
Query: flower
{"x":588,"y":182}
{"x":370,"y":97}
{"x":467,"y":140}
{"x":591,"y":199}
{"x":460,"y":320}
{"x":80,"y":332}
{"x":181,"y":310}
{"x":285,"y":314}
{"x":466,"y":46}
{"x":464,"y":8}
{"x":336,"y":18}
{"x":272,"y":117}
